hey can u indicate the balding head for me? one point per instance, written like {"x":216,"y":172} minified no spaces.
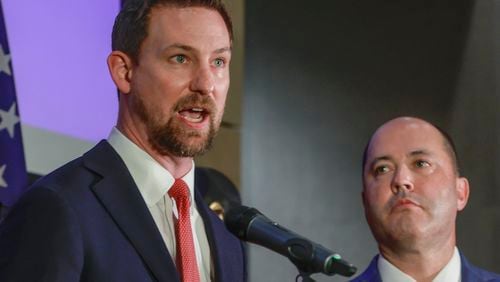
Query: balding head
{"x":411,"y":189}
{"x":447,"y":141}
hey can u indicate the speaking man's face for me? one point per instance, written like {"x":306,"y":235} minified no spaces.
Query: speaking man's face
{"x":180,"y":83}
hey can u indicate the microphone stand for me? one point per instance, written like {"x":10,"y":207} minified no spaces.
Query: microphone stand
{"x":306,"y":277}
{"x":301,"y":254}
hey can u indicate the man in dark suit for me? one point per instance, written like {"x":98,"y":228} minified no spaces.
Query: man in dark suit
{"x":412,"y":191}
{"x":130,"y":209}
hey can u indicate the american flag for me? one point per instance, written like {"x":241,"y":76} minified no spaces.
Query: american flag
{"x":13,"y":175}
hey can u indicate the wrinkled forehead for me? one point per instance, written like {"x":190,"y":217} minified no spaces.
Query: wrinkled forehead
{"x":403,"y":136}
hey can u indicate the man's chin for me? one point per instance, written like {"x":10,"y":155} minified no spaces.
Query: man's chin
{"x":198,"y":147}
{"x":181,"y":140}
{"x":192,"y":146}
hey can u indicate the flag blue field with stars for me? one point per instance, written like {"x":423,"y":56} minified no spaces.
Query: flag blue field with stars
{"x":13,"y":175}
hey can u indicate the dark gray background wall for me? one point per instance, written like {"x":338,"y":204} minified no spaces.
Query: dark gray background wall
{"x":320,"y":76}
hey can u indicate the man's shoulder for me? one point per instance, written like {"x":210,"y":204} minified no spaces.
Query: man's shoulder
{"x":474,"y":273}
{"x":470,"y":273}
{"x":76,"y":170}
{"x":71,"y":180}
{"x":216,"y":188}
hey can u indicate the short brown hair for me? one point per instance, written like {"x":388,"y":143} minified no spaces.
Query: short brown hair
{"x":131,"y":24}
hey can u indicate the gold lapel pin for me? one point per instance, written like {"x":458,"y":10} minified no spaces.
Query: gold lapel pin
{"x":217,"y":208}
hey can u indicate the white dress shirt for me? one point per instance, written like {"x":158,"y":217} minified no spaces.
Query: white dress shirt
{"x":154,"y":181}
{"x":450,"y":273}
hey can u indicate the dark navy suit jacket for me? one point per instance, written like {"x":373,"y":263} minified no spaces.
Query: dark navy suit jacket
{"x":470,"y":273}
{"x":87,"y":221}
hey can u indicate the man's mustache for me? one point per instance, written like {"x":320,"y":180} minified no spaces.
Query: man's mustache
{"x":195,"y":100}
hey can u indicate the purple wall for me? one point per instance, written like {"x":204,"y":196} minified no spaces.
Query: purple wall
{"x":59,"y":51}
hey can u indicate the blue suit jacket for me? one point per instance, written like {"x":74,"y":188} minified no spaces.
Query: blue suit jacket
{"x":87,"y":221}
{"x":470,"y":273}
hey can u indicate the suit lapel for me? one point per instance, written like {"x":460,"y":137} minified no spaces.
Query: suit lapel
{"x":468,"y":275}
{"x":118,"y":193}
{"x":226,"y":250}
{"x":371,"y":273}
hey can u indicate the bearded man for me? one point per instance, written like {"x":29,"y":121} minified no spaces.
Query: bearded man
{"x":129,"y":209}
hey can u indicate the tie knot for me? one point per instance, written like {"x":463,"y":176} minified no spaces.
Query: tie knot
{"x":179,"y":190}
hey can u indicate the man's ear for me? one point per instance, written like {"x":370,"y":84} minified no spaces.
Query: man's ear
{"x":462,"y":192}
{"x":120,"y":68}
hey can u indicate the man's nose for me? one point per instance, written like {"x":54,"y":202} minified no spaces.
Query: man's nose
{"x":402,"y":179}
{"x":203,"y":80}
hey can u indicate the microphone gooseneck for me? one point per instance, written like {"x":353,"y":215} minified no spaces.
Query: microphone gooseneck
{"x":250,"y":225}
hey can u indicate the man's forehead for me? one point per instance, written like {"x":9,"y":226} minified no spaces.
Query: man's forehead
{"x":406,"y":136}
{"x":188,"y":26}
{"x":190,"y":18}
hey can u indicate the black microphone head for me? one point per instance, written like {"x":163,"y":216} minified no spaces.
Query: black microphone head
{"x":248,"y":224}
{"x":238,"y":218}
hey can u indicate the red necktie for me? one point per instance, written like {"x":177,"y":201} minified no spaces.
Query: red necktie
{"x":186,"y":256}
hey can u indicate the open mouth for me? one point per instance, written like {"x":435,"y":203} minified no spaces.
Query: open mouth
{"x":194,"y":114}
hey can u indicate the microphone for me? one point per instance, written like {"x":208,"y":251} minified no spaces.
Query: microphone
{"x":250,"y":225}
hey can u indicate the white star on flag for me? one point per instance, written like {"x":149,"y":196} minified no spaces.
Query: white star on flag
{"x":4,"y":61}
{"x":3,"y":184}
{"x":9,"y":119}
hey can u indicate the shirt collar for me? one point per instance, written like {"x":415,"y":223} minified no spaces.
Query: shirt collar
{"x":152,"y":179}
{"x":451,"y":272}
{"x":389,"y":272}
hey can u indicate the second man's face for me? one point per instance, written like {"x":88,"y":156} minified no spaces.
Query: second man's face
{"x":180,"y":83}
{"x":411,"y":191}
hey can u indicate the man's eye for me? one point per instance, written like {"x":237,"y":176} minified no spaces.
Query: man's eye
{"x":181,"y":59}
{"x":219,"y":62}
{"x":381,"y":169}
{"x":421,"y":163}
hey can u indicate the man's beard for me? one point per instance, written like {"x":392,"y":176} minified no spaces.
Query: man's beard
{"x":170,"y":137}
